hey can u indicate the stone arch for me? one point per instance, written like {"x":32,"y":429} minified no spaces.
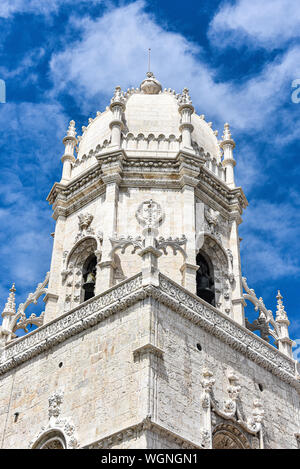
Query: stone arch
{"x":205,"y":278}
{"x":229,"y":436}
{"x":73,"y":274}
{"x":51,"y":439}
{"x":220,"y":266}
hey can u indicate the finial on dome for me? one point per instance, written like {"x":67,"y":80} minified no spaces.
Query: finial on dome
{"x":150,"y":85}
{"x":118,"y":98}
{"x":226,"y":133}
{"x":10,"y":306}
{"x":71,"y":132}
{"x":226,"y":137}
{"x":184,"y":98}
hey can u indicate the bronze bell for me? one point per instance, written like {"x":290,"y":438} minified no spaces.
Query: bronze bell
{"x":89,"y":285}
{"x":205,"y":284}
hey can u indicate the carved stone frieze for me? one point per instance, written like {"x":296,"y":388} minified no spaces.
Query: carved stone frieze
{"x":134,"y":431}
{"x":168,"y":293}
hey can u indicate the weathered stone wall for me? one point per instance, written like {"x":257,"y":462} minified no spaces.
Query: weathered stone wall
{"x":179,"y":382}
{"x":111,"y":381}
{"x":103,"y":386}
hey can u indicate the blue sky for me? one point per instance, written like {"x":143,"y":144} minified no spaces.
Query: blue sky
{"x":61,"y":60}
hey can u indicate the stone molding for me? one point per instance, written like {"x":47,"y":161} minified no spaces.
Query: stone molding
{"x":135,"y":430}
{"x":171,"y":295}
{"x":69,"y":324}
{"x":146,"y":349}
{"x":85,"y":187}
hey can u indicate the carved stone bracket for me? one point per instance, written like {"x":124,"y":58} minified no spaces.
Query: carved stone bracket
{"x":160,"y":243}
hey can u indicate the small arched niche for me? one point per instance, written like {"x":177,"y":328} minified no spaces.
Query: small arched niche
{"x":51,"y":440}
{"x":205,"y":278}
{"x":89,"y":271}
{"x":229,"y":436}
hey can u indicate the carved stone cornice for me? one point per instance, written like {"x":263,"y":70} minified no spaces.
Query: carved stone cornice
{"x":171,"y":295}
{"x":135,"y":430}
{"x":82,"y":184}
{"x":194,"y":309}
{"x":80,"y":318}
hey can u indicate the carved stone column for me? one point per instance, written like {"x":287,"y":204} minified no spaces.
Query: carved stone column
{"x":68,"y":158}
{"x":229,"y":163}
{"x":207,"y":385}
{"x":55,"y":279}
{"x":186,"y":110}
{"x":189,"y":181}
{"x":117,"y":108}
{"x":285,"y":344}
{"x":238,"y":301}
{"x":111,"y":168}
{"x":149,"y":257}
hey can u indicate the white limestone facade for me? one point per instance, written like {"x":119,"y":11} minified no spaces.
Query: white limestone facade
{"x":144,"y":341}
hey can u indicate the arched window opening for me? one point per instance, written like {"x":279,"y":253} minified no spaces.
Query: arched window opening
{"x":205,"y":280}
{"x":89,"y":277}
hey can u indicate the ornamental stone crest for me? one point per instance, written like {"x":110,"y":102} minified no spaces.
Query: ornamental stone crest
{"x":84,"y":222}
{"x":56,"y":425}
{"x":149,"y":214}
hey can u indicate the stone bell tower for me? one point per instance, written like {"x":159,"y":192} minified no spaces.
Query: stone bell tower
{"x":144,"y":341}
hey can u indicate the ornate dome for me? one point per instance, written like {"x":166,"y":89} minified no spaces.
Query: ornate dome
{"x":149,"y":114}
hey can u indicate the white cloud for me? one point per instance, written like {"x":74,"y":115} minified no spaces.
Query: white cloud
{"x":38,"y":7}
{"x":268,"y":23}
{"x":113,"y":52}
{"x":31,"y":135}
{"x":270,"y":249}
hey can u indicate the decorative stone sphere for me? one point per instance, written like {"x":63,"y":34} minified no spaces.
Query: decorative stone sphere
{"x":150,"y":85}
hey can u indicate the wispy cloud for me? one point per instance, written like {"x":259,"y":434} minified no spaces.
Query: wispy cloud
{"x":104,"y":51}
{"x":37,"y":7}
{"x":271,"y":249}
{"x":268,"y":23}
{"x":89,"y":71}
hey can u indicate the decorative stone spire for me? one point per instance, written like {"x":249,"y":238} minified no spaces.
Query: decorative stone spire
{"x":8,"y":313}
{"x":150,"y":85}
{"x":186,"y":110}
{"x":68,"y":157}
{"x":228,"y":144}
{"x":280,"y":311}
{"x":117,"y":107}
{"x":284,"y":342}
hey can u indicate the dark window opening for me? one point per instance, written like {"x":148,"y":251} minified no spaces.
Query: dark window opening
{"x":205,"y":280}
{"x":89,"y":277}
